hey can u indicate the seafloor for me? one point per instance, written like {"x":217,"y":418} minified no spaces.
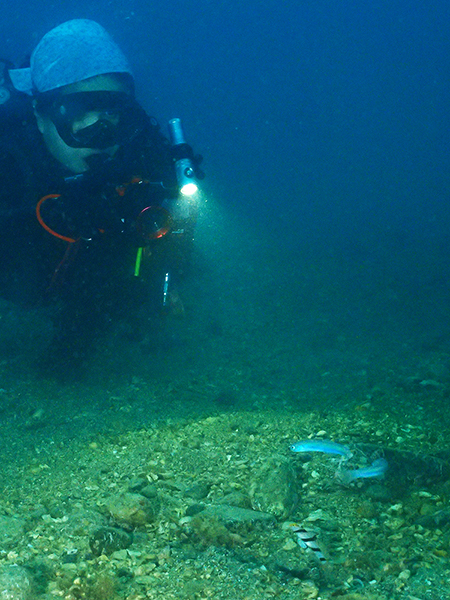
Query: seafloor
{"x":165,"y":470}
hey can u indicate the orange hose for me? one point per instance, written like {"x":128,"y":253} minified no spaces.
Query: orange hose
{"x":44,"y":225}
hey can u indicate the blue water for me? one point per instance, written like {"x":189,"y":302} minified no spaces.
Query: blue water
{"x":325,"y":132}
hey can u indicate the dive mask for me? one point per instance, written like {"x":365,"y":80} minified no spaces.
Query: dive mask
{"x":95,"y":119}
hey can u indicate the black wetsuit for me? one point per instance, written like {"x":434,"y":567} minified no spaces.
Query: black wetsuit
{"x":90,"y":282}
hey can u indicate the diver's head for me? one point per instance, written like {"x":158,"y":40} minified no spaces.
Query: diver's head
{"x":89,"y":117}
{"x":83,"y":92}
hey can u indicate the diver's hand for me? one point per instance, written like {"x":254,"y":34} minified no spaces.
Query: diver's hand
{"x":181,"y":151}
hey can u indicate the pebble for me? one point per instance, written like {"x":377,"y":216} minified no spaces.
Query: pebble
{"x":309,"y":590}
{"x":404,"y":575}
{"x":290,"y":545}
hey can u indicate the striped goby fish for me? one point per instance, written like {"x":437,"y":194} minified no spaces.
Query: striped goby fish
{"x":308,"y":539}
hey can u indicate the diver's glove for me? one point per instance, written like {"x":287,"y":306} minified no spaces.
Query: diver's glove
{"x":180,"y":151}
{"x":196,"y":161}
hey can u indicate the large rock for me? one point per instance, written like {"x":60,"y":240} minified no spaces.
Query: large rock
{"x":11,"y":530}
{"x":231,"y":515}
{"x":132,"y":510}
{"x":222,"y":525}
{"x":15,"y":583}
{"x":274,"y":487}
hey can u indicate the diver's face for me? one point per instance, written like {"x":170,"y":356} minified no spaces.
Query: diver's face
{"x":75,"y":158}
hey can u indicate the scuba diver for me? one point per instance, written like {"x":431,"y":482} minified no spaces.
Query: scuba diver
{"x":92,"y":218}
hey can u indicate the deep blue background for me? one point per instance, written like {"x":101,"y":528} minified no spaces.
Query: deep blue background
{"x":325,"y":125}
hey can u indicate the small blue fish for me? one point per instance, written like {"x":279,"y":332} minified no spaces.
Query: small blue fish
{"x":326,"y":446}
{"x":377,"y":469}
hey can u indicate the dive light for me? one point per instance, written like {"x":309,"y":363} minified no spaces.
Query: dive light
{"x":184,"y":167}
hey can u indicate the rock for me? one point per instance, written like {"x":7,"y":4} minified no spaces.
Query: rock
{"x":15,"y":583}
{"x":194,"y":509}
{"x":222,"y":525}
{"x":378,"y":492}
{"x":237,"y":499}
{"x":198,"y":491}
{"x":11,"y":530}
{"x":107,"y":540}
{"x":37,"y":420}
{"x":136,"y":484}
{"x":274,"y":487}
{"x":149,"y":491}
{"x":292,"y":562}
{"x":83,"y":523}
{"x":70,"y":556}
{"x":231,"y":515}
{"x":436,"y":520}
{"x":132,"y":510}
